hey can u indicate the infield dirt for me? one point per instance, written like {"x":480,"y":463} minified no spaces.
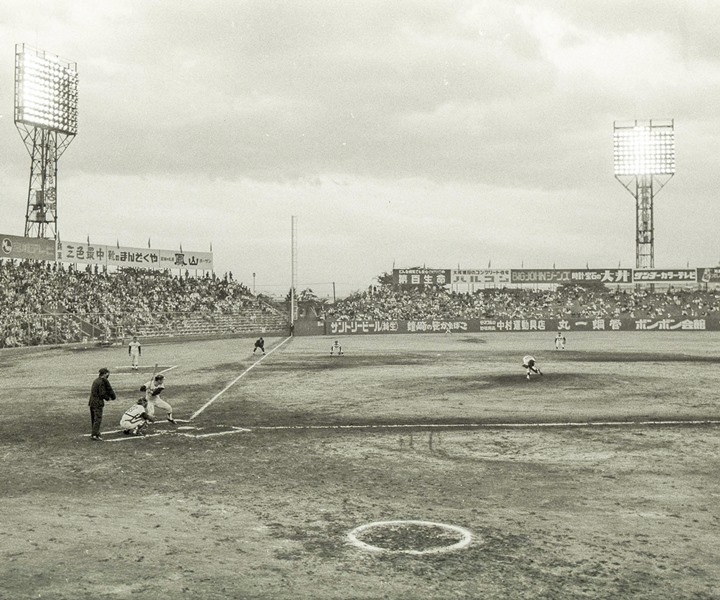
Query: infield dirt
{"x":620,"y":511}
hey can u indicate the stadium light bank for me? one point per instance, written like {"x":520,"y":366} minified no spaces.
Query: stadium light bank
{"x":46,"y":115}
{"x":644,"y":160}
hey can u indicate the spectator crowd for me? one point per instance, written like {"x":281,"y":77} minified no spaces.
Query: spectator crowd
{"x":385,"y":302}
{"x":50,"y":303}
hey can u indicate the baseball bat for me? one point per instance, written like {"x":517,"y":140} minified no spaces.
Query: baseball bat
{"x":152,"y":377}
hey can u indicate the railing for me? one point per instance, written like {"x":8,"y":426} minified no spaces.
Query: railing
{"x":63,"y":328}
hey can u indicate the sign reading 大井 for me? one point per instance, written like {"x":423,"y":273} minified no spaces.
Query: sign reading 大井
{"x":571,"y":275}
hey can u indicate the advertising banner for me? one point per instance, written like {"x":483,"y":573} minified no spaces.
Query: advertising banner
{"x":664,"y":275}
{"x":709,"y":275}
{"x":492,"y":277}
{"x":570,"y":275}
{"x":171,"y":259}
{"x":518,"y":325}
{"x":421,"y":277}
{"x":14,"y":246}
{"x":99,"y":254}
{"x":139,"y":258}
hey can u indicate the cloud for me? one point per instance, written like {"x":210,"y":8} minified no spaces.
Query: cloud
{"x":415,"y":131}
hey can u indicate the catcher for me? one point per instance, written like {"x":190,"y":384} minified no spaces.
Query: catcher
{"x":153,"y":389}
{"x":136,"y":418}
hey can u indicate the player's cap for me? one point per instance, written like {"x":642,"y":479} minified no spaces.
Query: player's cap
{"x":159,"y":377}
{"x":103,"y":371}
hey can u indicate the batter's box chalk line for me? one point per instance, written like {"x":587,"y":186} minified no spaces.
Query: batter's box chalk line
{"x":125,"y":370}
{"x":198,"y":435}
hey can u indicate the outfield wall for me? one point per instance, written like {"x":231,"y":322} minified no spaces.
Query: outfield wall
{"x":502,"y":325}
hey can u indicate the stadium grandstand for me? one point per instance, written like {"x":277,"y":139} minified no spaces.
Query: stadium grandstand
{"x":52,"y":303}
{"x":567,"y":301}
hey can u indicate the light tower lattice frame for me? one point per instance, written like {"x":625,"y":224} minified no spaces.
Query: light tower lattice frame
{"x":293,"y":271}
{"x":46,"y":98}
{"x":644,"y":158}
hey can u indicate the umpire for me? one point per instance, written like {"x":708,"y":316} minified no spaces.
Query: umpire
{"x":100,"y":391}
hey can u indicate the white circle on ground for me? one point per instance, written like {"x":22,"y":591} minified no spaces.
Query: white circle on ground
{"x":465,"y":537}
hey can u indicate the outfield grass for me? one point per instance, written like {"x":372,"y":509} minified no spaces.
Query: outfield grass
{"x":440,"y":428}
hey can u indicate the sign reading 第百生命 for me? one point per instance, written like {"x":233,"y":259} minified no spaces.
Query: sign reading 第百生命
{"x":421,"y":277}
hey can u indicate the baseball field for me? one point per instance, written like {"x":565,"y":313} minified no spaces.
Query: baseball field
{"x":412,"y":466}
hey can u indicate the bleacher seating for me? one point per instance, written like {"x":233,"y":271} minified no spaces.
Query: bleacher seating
{"x":46,"y":303}
{"x":49,"y":304}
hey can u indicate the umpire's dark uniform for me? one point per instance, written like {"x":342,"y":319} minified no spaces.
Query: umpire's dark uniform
{"x":100,"y":391}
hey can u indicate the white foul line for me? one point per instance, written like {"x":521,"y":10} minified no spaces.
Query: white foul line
{"x":420,"y":426}
{"x":234,"y":381}
{"x":489,"y":425}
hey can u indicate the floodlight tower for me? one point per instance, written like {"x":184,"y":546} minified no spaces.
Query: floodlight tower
{"x":46,"y":100}
{"x":644,"y":156}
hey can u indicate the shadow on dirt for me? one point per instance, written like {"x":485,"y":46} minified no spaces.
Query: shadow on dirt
{"x":485,"y":383}
{"x":473,"y":340}
{"x":630,"y":357}
{"x":335,"y":362}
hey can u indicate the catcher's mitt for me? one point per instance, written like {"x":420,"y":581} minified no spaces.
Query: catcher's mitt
{"x":143,"y":388}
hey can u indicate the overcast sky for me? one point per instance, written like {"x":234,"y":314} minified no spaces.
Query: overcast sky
{"x":410,"y":133}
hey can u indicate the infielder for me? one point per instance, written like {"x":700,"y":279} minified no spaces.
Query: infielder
{"x":334,"y":347}
{"x":134,"y":352}
{"x":153,"y":389}
{"x":559,"y":341}
{"x":136,"y":418}
{"x":259,"y":345}
{"x":531,"y":365}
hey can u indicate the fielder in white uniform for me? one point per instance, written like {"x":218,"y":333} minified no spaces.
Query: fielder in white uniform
{"x":530,"y":364}
{"x":559,"y":341}
{"x":152,"y":390}
{"x":136,"y":418}
{"x":134,"y":351}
